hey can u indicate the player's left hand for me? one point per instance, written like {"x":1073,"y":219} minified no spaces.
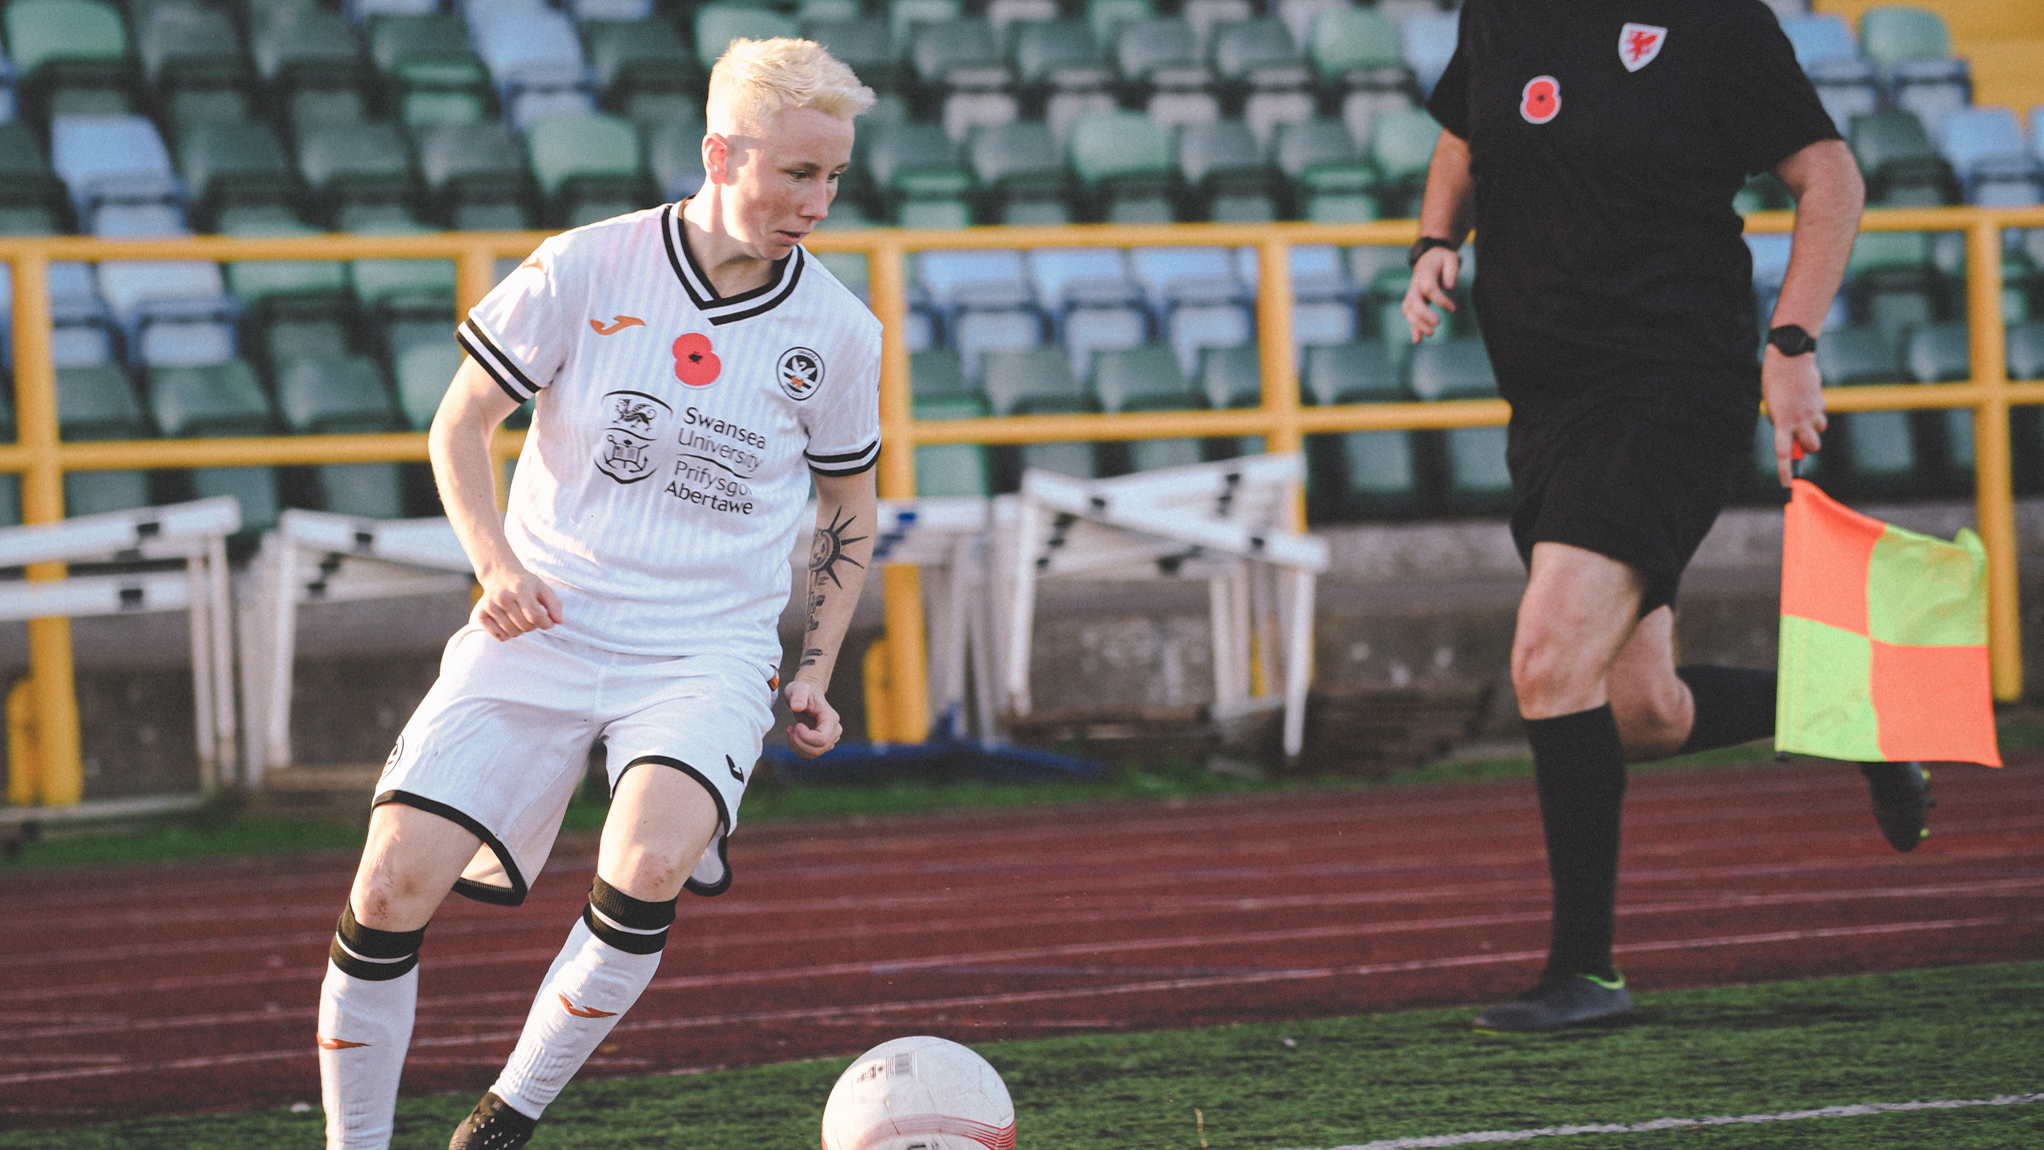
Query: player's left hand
{"x":1795,"y":402}
{"x":816,"y":728}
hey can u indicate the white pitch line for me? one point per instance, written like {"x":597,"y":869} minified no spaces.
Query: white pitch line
{"x":1857,"y":1110}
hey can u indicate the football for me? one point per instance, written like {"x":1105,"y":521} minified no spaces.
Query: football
{"x":919,"y":1094}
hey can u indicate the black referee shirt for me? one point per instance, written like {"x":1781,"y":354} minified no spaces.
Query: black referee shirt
{"x":1608,"y":138}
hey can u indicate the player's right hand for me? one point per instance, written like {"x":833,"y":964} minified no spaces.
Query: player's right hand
{"x":1432,"y":279}
{"x":515,"y":601}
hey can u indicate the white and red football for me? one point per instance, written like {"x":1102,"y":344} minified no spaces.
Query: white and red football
{"x":919,"y":1094}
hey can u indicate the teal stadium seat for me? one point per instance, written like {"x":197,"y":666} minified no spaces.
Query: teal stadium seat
{"x":643,"y":70}
{"x":429,"y":69}
{"x":937,"y":374}
{"x":918,"y":174}
{"x":347,"y":164}
{"x":1460,"y":369}
{"x":1893,"y":35}
{"x":1123,"y":161}
{"x":1020,"y":178}
{"x":1225,"y":176}
{"x":716,"y":25}
{"x":1359,"y":372}
{"x":220,"y":400}
{"x":950,"y":468}
{"x":1147,"y":378}
{"x":1331,"y":180}
{"x":1901,"y":167}
{"x":32,"y":200}
{"x":1401,"y":146}
{"x":98,"y":402}
{"x":423,"y":372}
{"x":183,"y":44}
{"x":70,"y":58}
{"x":234,"y":163}
{"x":324,"y":395}
{"x":475,"y":176}
{"x":587,"y":167}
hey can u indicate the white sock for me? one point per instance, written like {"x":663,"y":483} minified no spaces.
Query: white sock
{"x":589,"y":987}
{"x":364,"y":1030}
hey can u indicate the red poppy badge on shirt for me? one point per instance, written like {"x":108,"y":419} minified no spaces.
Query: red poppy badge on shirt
{"x":1638,"y":44}
{"x":695,"y":364}
{"x":1540,"y":99}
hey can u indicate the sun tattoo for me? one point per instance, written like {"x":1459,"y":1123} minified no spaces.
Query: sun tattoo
{"x":828,"y":548}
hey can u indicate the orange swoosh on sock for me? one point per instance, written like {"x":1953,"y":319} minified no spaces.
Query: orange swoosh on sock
{"x":580,"y":1012}
{"x":326,"y":1043}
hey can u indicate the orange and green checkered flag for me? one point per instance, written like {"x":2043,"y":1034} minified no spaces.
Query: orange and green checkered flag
{"x":1883,"y":640}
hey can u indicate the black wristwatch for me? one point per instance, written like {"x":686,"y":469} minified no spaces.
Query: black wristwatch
{"x":1425,"y":244}
{"x":1791,"y":340}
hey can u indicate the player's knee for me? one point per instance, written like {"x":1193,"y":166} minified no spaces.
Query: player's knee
{"x":635,"y":926}
{"x":370,"y":954}
{"x":1543,"y":669}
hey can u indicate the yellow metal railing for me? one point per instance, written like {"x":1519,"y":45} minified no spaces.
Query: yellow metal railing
{"x":41,"y":458}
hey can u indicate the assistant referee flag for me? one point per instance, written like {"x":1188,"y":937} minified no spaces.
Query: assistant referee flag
{"x":1883,"y":640}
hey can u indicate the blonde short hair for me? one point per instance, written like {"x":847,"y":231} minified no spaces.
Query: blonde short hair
{"x":755,"y":79}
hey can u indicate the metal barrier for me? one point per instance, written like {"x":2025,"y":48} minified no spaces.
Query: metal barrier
{"x":41,"y":459}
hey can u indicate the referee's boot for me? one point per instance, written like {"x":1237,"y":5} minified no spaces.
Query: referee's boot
{"x":492,"y":1125}
{"x":1571,"y":1000}
{"x":1902,"y":802}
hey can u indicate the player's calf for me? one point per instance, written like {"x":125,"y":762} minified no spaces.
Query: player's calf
{"x":610,"y":956}
{"x":366,"y":1005}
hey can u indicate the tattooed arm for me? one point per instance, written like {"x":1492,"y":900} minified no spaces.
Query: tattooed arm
{"x":839,"y":554}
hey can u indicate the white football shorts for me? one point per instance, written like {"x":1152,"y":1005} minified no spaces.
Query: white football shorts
{"x":502,"y":740}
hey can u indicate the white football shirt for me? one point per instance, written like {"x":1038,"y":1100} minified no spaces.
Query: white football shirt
{"x":673,"y":430}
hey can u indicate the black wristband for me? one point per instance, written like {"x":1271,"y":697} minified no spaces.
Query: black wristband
{"x":1424,"y":244}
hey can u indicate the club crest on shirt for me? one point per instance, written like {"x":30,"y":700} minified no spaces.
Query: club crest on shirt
{"x":1638,"y":44}
{"x":633,"y":421}
{"x":800,"y":372}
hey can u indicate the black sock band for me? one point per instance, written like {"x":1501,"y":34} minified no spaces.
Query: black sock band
{"x":632,"y":925}
{"x":1579,"y":768}
{"x":1733,"y":705}
{"x":373,"y":955}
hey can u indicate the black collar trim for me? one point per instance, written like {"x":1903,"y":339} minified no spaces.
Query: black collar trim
{"x":787,"y":274}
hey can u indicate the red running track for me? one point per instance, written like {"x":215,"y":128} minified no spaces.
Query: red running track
{"x":187,"y":988}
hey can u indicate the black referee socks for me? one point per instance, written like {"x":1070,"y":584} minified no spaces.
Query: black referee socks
{"x":1579,"y":768}
{"x":1733,"y":705}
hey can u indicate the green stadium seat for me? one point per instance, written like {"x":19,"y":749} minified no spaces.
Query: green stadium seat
{"x":951,"y":469}
{"x":97,"y":492}
{"x":309,"y":109}
{"x":674,"y":156}
{"x":429,"y":69}
{"x":320,"y":396}
{"x":1123,"y":160}
{"x":283,"y":335}
{"x":254,"y":488}
{"x":10,"y":500}
{"x":70,"y":56}
{"x":1147,"y":378}
{"x":1402,"y":145}
{"x":716,"y":25}
{"x":951,"y":405}
{"x":364,"y":490}
{"x":1880,"y":449}
{"x":1104,"y":17}
{"x":303,"y":45}
{"x":1020,"y":176}
{"x":423,"y":373}
{"x":1231,"y":377}
{"x":1027,"y":382}
{"x":234,"y":163}
{"x":1331,"y":181}
{"x":917,"y":171}
{"x":264,"y":285}
{"x":639,"y":62}
{"x":1351,"y":373}
{"x":98,"y":402}
{"x":1452,"y":369}
{"x":865,"y":45}
{"x":1379,"y":470}
{"x":188,"y":44}
{"x":1853,"y":355}
{"x":587,"y":167}
{"x":31,"y":197}
{"x":1353,"y":46}
{"x":936,"y":373}
{"x":2026,"y":350}
{"x":904,"y":15}
{"x":1226,"y":178}
{"x":356,"y":163}
{"x":1891,"y":35}
{"x":184,"y":108}
{"x":1939,"y":353}
{"x":473,"y":172}
{"x":1763,"y":193}
{"x":215,"y":400}
{"x":1901,"y":166}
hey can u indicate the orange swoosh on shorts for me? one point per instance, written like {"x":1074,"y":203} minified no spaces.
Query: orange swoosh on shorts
{"x":621,"y":322}
{"x":326,"y":1043}
{"x":581,"y":1012}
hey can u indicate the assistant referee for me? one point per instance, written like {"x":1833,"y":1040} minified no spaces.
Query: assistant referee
{"x":1596,"y":148}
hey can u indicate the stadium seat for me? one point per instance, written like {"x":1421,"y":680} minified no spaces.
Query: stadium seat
{"x":1317,"y":274}
{"x":110,"y":158}
{"x":98,"y":402}
{"x":936,"y":374}
{"x":904,"y":15}
{"x":475,"y":175}
{"x":70,"y":57}
{"x":429,"y":69}
{"x":1820,"y":38}
{"x":215,"y":400}
{"x":1847,"y":87}
{"x":1225,"y":177}
{"x":327,"y":395}
{"x":1020,"y":177}
{"x":1330,"y":179}
{"x":642,"y":69}
{"x":275,"y":336}
{"x":1853,"y":355}
{"x":1082,"y":277}
{"x":423,"y":372}
{"x":1192,"y":326}
{"x":356,"y":163}
{"x":674,"y":157}
{"x":2026,"y":350}
{"x":235,"y":164}
{"x":186,"y":44}
{"x":1023,"y":382}
{"x":951,"y":469}
{"x":716,"y":25}
{"x":304,"y":46}
{"x":1123,"y":161}
{"x":1262,"y":76}
{"x":1146,"y":378}
{"x":1899,"y":163}
{"x":1402,"y":145}
{"x":1105,"y":17}
{"x":1173,"y":276}
{"x":32,"y":199}
{"x":1932,"y":89}
{"x":865,"y":45}
{"x":1355,"y":56}
{"x":975,"y":279}
{"x":401,"y":286}
{"x":527,"y":49}
{"x":917,"y":171}
{"x":1158,"y":63}
{"x":1350,"y":373}
{"x":1452,"y":369}
{"x":587,"y":167}
{"x":188,"y":297}
{"x":1231,"y":377}
{"x":1087,"y":330}
{"x":976,"y":333}
{"x":1319,"y":323}
{"x":1985,"y":147}
{"x":958,"y":65}
{"x":1762,"y":193}
{"x":1051,"y":55}
{"x":1894,"y":34}
{"x":1427,"y":43}
{"x":1939,"y":353}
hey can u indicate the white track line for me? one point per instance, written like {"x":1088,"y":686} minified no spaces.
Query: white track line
{"x":828,"y":1014}
{"x":1853,"y":1111}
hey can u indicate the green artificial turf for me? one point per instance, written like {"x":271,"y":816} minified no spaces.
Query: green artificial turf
{"x":1960,"y":1033}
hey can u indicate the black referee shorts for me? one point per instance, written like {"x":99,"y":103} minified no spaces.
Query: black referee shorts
{"x":1638,"y":479}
